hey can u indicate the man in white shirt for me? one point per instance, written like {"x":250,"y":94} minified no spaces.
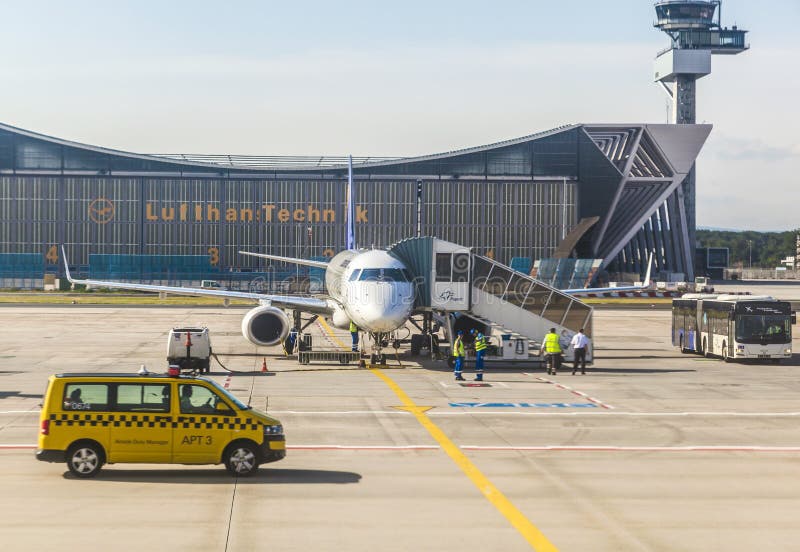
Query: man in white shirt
{"x":579,"y":344}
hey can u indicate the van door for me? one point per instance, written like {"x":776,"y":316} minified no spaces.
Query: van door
{"x":141,"y":428}
{"x":203,"y":429}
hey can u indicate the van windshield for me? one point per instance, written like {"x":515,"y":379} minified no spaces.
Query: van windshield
{"x":227,"y":395}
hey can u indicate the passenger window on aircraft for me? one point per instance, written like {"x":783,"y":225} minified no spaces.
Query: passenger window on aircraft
{"x":354,"y":276}
{"x":86,"y":396}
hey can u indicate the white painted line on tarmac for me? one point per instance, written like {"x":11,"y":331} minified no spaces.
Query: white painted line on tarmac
{"x":591,"y":412}
{"x":635,"y":448}
{"x":576,"y":392}
{"x":523,"y":448}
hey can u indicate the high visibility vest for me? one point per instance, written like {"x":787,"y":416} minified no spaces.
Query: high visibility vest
{"x":458,"y":348}
{"x":353,"y":327}
{"x":480,"y":343}
{"x":551,"y":344}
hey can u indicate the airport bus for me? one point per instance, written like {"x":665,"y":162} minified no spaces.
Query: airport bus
{"x":733,"y":327}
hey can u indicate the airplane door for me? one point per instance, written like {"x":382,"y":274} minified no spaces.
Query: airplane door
{"x":453,"y":278}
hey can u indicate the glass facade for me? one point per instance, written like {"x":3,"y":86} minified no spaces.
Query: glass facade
{"x":512,"y":200}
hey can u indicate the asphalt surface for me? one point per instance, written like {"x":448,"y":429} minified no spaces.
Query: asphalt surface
{"x":651,"y":450}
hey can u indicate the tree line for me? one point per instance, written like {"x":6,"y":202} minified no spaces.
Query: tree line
{"x":766,"y":249}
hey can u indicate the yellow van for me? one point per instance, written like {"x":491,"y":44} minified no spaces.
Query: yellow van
{"x":88,"y":420}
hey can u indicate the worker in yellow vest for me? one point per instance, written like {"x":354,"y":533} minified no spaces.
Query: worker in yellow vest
{"x":354,"y":335}
{"x":458,"y":353}
{"x":480,"y":352}
{"x":552,"y":348}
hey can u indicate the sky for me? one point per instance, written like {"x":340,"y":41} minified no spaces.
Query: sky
{"x":401,"y":79}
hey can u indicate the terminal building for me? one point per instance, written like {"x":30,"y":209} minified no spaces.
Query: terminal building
{"x":584,"y":191}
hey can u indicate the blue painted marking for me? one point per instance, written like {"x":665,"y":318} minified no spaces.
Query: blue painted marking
{"x":521,"y":405}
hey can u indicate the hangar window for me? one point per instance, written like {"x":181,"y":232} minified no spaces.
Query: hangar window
{"x":32,"y":154}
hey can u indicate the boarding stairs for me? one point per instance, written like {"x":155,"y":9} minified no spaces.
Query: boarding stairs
{"x":451,"y":280}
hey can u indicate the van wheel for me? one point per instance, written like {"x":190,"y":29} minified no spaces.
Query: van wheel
{"x":241,"y":459}
{"x":85,"y":458}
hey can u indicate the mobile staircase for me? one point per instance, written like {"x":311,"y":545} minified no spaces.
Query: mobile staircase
{"x":461,"y":290}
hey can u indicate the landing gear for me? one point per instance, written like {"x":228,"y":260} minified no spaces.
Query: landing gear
{"x":380,"y":340}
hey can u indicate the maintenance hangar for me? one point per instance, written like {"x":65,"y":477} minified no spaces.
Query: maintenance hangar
{"x":609,"y":192}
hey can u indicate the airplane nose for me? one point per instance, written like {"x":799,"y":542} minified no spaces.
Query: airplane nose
{"x":384,"y":307}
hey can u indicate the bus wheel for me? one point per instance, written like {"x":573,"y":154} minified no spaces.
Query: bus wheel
{"x":704,"y":350}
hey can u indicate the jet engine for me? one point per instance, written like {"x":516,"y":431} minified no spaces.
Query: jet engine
{"x":265,"y":326}
{"x":340,"y":319}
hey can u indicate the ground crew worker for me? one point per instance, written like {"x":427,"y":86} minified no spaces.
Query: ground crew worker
{"x":480,"y":352}
{"x":552,"y":348}
{"x":458,"y":353}
{"x":354,"y":335}
{"x":579,"y":343}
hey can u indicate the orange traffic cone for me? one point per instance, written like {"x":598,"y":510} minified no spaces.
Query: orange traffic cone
{"x":264,"y":366}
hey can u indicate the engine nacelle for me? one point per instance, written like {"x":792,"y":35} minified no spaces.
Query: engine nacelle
{"x":265,"y":326}
{"x":340,"y":319}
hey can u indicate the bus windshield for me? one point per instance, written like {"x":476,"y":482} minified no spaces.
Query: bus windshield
{"x":763,"y":329}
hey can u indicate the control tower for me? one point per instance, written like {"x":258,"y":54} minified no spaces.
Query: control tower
{"x":696,"y":33}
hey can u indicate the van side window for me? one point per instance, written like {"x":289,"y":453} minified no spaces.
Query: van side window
{"x":196,"y":399}
{"x":142,"y":397}
{"x":85,"y":396}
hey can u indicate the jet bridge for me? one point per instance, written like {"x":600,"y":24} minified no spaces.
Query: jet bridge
{"x":462,"y":290}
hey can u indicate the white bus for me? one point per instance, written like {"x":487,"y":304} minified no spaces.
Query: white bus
{"x":733,"y":327}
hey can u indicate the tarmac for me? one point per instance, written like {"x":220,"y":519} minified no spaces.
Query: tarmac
{"x":651,"y":450}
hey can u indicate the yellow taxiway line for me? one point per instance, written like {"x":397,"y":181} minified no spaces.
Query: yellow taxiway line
{"x":528,"y":530}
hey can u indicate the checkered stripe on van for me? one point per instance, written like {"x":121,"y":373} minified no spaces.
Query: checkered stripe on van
{"x":215,"y":422}
{"x":111,"y":420}
{"x":152,"y":420}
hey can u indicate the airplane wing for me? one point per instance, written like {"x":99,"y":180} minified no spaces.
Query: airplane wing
{"x":293,"y":260}
{"x":308,"y":304}
{"x":599,"y":292}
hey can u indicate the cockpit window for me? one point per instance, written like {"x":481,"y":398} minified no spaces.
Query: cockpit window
{"x":394,"y":275}
{"x":354,"y":275}
{"x":370,"y":275}
{"x":383,"y":275}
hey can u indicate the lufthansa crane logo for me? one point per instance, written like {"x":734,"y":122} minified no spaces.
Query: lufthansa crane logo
{"x":101,"y":210}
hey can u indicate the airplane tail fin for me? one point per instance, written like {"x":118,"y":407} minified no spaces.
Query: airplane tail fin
{"x":66,"y":265}
{"x":646,"y":282}
{"x":350,"y":218}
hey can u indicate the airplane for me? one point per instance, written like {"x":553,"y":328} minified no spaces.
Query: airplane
{"x":369,"y":287}
{"x":601,"y":291}
{"x":366,"y":286}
